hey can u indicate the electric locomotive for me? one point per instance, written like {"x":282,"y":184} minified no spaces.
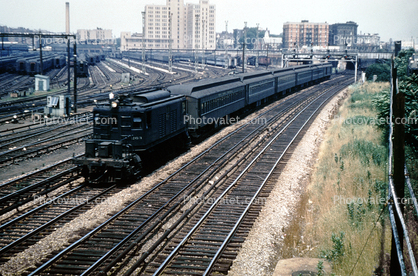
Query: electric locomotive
{"x":129,"y":128}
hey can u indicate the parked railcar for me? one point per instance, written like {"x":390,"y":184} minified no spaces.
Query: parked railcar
{"x":215,"y":61}
{"x":263,"y":60}
{"x":82,"y":69}
{"x":59,"y":61}
{"x":91,"y":59}
{"x":8,"y":64}
{"x":21,"y":66}
{"x":32,"y":65}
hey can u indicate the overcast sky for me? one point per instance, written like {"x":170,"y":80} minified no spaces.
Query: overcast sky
{"x":396,"y":19}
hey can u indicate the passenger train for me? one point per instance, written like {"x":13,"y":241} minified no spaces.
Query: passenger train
{"x":129,"y":128}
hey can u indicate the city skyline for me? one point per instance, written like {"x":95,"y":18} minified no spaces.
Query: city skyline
{"x":390,"y":19}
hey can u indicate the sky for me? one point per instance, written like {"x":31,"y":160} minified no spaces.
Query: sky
{"x":396,"y":19}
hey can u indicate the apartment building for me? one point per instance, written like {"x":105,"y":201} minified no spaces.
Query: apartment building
{"x":98,"y":35}
{"x":305,"y":33}
{"x":192,"y":27}
{"x":200,"y":25}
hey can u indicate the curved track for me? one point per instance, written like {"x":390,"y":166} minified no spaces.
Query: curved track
{"x":143,"y":235}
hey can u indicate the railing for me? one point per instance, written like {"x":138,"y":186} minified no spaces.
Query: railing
{"x":399,"y":229}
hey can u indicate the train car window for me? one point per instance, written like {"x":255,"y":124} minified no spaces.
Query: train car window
{"x":125,"y":121}
{"x":137,"y":122}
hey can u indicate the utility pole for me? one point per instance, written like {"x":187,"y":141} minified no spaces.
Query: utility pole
{"x":243,"y":47}
{"x":40,"y":55}
{"x":143,"y":42}
{"x":67,"y":30}
{"x":256,"y":39}
{"x":225,"y":46}
{"x":267,"y":58}
{"x":203,"y":44}
{"x":196,"y":32}
{"x":67,"y":108}
{"x":355,"y":69}
{"x":170,"y":58}
{"x":75,"y":76}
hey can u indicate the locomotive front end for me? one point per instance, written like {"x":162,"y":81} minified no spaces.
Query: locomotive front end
{"x":108,"y":161}
{"x":109,"y":156}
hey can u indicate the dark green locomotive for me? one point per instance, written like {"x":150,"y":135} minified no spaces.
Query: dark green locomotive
{"x":128,"y":128}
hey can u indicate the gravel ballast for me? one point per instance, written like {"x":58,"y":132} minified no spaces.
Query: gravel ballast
{"x":259,"y":253}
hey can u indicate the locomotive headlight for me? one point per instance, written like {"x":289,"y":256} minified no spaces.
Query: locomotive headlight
{"x":114,"y":104}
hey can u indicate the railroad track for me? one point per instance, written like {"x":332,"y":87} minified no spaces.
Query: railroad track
{"x":27,"y":229}
{"x":19,"y":191}
{"x":27,"y":129}
{"x":200,"y":246}
{"x":32,"y":149}
{"x":142,"y":226}
{"x":85,"y":91}
{"x":15,"y":82}
{"x":159,"y":78}
{"x":39,"y":131}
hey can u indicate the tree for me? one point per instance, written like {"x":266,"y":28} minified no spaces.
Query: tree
{"x":381,"y":70}
{"x":251,"y":37}
{"x":402,"y":61}
{"x":407,"y":85}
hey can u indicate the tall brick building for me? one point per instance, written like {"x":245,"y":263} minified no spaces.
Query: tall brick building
{"x":305,"y":33}
{"x":192,"y":27}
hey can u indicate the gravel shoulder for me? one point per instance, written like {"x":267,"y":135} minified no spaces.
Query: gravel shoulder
{"x":265,"y":243}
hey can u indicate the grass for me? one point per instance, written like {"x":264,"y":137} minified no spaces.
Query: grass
{"x":348,"y":188}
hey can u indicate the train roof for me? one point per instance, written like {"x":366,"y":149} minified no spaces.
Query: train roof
{"x":140,"y":102}
{"x":257,"y":74}
{"x":258,"y":78}
{"x":151,"y":96}
{"x":208,"y":86}
{"x":205,"y":87}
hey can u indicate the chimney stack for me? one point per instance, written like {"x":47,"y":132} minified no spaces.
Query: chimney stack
{"x":67,"y":17}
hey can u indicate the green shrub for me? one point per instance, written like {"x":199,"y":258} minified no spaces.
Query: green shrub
{"x":366,"y":151}
{"x":337,"y":251}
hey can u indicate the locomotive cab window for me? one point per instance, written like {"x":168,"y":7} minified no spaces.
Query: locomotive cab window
{"x":137,"y":122}
{"x":125,"y":121}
